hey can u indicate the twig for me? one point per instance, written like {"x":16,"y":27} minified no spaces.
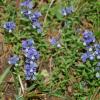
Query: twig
{"x":94,"y":95}
{"x":20,"y":81}
{"x":17,"y":4}
{"x":50,"y":64}
{"x":47,"y":12}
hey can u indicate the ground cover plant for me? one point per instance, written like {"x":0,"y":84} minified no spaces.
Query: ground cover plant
{"x":49,"y":50}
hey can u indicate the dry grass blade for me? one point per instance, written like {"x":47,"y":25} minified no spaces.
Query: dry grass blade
{"x":93,"y":97}
{"x":3,"y":76}
{"x":20,"y":81}
{"x":47,"y":12}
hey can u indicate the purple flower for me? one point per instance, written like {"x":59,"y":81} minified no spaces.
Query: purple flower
{"x":37,"y":14}
{"x":27,"y":3}
{"x":26,"y":13}
{"x":91,"y":57}
{"x":89,"y":48}
{"x":30,"y":71}
{"x":36,"y":25}
{"x":13,"y":60}
{"x":29,"y":50}
{"x":37,"y":55}
{"x":27,"y":43}
{"x":64,"y":12}
{"x":87,"y":32}
{"x":89,"y":40}
{"x":84,"y":57}
{"x":92,"y":49}
{"x":31,"y":53}
{"x":34,"y":17}
{"x":67,"y":10}
{"x":88,"y":37}
{"x":97,"y":46}
{"x":53,"y":41}
{"x":87,"y":55}
{"x":97,"y":50}
{"x":9,"y":26}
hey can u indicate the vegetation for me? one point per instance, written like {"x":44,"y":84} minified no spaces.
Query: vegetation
{"x":43,"y":50}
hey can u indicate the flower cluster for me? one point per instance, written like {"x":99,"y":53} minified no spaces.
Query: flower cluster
{"x":31,"y":55}
{"x":92,"y":49}
{"x":13,"y":60}
{"x":67,"y":10}
{"x":32,"y":16}
{"x":9,"y":26}
{"x":89,"y":41}
{"x":88,"y":37}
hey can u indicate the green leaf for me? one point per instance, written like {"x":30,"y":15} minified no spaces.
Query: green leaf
{"x":2,"y":77}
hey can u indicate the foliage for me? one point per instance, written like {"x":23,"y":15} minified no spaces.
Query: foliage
{"x":61,"y":72}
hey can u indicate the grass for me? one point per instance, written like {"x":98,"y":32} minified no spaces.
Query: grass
{"x":61,"y":73}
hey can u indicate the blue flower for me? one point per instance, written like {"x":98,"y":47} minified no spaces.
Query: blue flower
{"x":88,"y":55}
{"x":88,"y":37}
{"x":30,"y":71}
{"x":13,"y":60}
{"x":53,"y":41}
{"x":27,"y":3}
{"x":34,"y":17}
{"x":37,"y":14}
{"x":97,"y":50}
{"x":27,"y":43}
{"x":67,"y":10}
{"x":26,"y":13}
{"x":87,"y":32}
{"x":36,"y":25}
{"x":31,"y":53}
{"x":89,"y":48}
{"x":84,"y":57}
{"x":64,"y":12}
{"x":91,"y":57}
{"x":30,"y":42}
{"x":9,"y":26}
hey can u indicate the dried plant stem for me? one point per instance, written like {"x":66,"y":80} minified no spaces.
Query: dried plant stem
{"x":20,"y":81}
{"x":94,"y":95}
{"x":17,"y":4}
{"x":51,"y":3}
